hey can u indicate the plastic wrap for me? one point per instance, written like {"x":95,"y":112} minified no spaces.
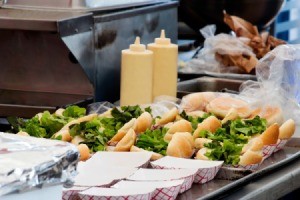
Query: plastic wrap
{"x":278,"y":75}
{"x":27,"y":163}
{"x":222,"y":44}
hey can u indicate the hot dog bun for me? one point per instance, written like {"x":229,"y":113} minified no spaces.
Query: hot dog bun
{"x":270,"y":135}
{"x":200,"y":142}
{"x":84,"y":152}
{"x":251,"y":157}
{"x":127,"y":141}
{"x":122,"y":132}
{"x":287,"y":129}
{"x":254,"y":144}
{"x":201,"y":154}
{"x":270,"y":113}
{"x":179,"y":126}
{"x":154,"y":155}
{"x":210,"y":124}
{"x":143,"y":122}
{"x":168,"y":117}
{"x":181,"y":145}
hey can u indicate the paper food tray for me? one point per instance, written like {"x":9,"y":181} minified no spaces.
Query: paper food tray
{"x":188,"y":175}
{"x":206,"y":170}
{"x":164,"y":190}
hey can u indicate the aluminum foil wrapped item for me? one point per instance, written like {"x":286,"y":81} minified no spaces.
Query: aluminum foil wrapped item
{"x":27,"y":163}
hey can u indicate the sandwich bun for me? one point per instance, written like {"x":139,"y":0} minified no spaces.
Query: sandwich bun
{"x":179,"y":126}
{"x":76,"y":140}
{"x":84,"y":152}
{"x":254,"y":144}
{"x":210,"y":124}
{"x":168,"y":117}
{"x":270,"y":135}
{"x":287,"y":129}
{"x":127,"y":141}
{"x":143,"y":122}
{"x":200,"y":142}
{"x":250,"y":158}
{"x":231,"y":115}
{"x":271,"y":114}
{"x":197,"y":113}
{"x":122,"y":132}
{"x":196,"y":101}
{"x":201,"y":154}
{"x":154,"y":155}
{"x":221,"y":105}
{"x":181,"y":145}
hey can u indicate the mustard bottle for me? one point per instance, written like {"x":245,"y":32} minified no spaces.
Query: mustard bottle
{"x":165,"y":66}
{"x":136,"y":75}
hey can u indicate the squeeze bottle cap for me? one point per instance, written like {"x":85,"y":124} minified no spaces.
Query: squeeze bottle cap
{"x":137,"y":46}
{"x":163,"y":40}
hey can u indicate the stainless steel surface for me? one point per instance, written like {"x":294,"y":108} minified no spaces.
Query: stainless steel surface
{"x":278,"y":176}
{"x":114,"y":32}
{"x":53,"y":58}
{"x":76,"y":5}
{"x":204,"y":84}
{"x":36,"y":70}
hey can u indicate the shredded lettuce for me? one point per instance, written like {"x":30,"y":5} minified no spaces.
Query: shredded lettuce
{"x":153,"y":140}
{"x":74,"y":112}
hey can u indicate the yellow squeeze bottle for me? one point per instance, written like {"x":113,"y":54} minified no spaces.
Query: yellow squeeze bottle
{"x":165,"y":66}
{"x":136,"y":75}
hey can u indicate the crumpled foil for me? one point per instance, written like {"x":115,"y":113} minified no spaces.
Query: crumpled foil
{"x":27,"y":163}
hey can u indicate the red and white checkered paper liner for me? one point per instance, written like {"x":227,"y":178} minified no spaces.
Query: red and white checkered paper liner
{"x":280,"y":144}
{"x":169,"y":193}
{"x":72,"y":193}
{"x":268,"y":150}
{"x":202,"y":176}
{"x":188,"y":181}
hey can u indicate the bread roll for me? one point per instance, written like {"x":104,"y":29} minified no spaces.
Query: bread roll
{"x":221,"y":105}
{"x":23,"y":133}
{"x":181,"y":145}
{"x":168,"y":117}
{"x":59,"y":112}
{"x":106,"y":114}
{"x":77,"y":139}
{"x":201,"y":154}
{"x":251,"y":157}
{"x":65,"y":131}
{"x":127,"y":141}
{"x":270,"y":135}
{"x":122,"y":132}
{"x":84,"y":152}
{"x":179,"y":126}
{"x":271,"y":114}
{"x":231,"y":115}
{"x":154,"y":155}
{"x":196,"y":101}
{"x":254,"y":144}
{"x":287,"y":129}
{"x":209,"y":124}
{"x":143,"y":122}
{"x":200,"y":142}
{"x":197,"y":113}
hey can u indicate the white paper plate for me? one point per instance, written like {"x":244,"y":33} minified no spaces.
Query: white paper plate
{"x":124,"y":159}
{"x":164,"y":190}
{"x":116,"y":194}
{"x":206,"y":170}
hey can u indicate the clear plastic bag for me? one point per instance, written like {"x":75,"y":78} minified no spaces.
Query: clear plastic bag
{"x":222,"y":44}
{"x":278,"y":75}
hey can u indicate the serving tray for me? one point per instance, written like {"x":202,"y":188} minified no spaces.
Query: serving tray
{"x":219,"y":188}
